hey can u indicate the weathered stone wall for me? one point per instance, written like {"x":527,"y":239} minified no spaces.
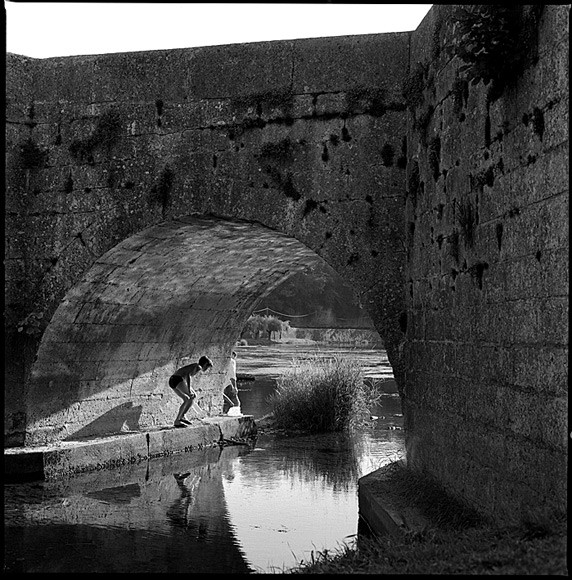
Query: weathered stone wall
{"x":485,"y":400}
{"x":304,"y":137}
{"x":465,"y":277}
{"x":152,"y":304}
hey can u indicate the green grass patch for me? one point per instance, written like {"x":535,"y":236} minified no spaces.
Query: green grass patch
{"x":321,"y":394}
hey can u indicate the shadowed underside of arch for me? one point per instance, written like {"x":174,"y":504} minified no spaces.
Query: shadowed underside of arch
{"x":158,"y":300}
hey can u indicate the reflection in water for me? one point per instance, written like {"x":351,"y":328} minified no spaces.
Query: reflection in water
{"x":295,"y":495}
{"x":231,"y":510}
{"x":83,"y":524}
{"x":280,"y":517}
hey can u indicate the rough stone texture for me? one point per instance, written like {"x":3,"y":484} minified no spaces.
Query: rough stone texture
{"x":485,"y":400}
{"x":184,"y":286}
{"x":122,"y":143}
{"x":384,"y":510}
{"x":118,"y":452}
{"x":108,"y":156}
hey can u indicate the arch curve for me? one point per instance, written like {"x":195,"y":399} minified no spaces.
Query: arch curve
{"x":159,"y":299}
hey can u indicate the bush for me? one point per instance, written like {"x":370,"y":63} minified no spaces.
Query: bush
{"x":322,"y":394}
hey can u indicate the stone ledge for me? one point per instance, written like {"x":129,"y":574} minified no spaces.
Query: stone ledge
{"x":68,"y":457}
{"x":383,"y":509}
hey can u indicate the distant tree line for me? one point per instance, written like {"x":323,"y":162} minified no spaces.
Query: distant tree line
{"x":258,"y":326}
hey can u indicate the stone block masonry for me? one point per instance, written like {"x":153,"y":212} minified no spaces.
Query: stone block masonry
{"x":105,"y":147}
{"x":486,"y":401}
{"x":106,"y":357}
{"x":153,"y":198}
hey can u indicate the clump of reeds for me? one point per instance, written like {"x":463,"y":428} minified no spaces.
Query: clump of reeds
{"x":320,"y":394}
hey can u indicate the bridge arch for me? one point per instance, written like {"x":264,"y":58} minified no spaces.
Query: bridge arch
{"x":262,"y":133}
{"x":157,"y":300}
{"x":435,"y":214}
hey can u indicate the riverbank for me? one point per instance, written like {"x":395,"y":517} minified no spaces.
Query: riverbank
{"x":454,"y":541}
{"x":356,"y":337}
{"x":481,"y":551}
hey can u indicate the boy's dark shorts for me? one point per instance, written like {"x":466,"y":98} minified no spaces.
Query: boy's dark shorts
{"x":174,"y":381}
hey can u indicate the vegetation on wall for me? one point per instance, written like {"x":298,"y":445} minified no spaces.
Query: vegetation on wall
{"x":33,"y":324}
{"x":494,"y":41}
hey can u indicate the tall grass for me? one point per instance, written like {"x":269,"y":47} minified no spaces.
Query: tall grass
{"x":320,"y":394}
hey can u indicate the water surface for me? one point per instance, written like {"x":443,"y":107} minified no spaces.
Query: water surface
{"x":258,"y":508}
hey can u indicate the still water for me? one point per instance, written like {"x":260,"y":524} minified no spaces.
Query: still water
{"x":259,"y":508}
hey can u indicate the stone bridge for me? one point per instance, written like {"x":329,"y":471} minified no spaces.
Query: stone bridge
{"x":153,"y":198}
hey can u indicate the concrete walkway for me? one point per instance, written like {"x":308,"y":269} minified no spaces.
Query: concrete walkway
{"x":69,"y":457}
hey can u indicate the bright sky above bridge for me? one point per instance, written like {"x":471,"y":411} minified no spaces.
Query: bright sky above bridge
{"x":46,"y":29}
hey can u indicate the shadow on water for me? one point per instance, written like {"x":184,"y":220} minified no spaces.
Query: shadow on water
{"x":164,"y":516}
{"x":238,"y":509}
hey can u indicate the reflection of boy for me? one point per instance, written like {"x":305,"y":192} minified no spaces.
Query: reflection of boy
{"x":230,"y":394}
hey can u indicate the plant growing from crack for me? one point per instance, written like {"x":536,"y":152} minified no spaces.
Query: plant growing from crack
{"x":33,"y":324}
{"x":494,"y":41}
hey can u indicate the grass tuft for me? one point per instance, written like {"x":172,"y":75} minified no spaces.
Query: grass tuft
{"x":321,"y":394}
{"x":458,"y":541}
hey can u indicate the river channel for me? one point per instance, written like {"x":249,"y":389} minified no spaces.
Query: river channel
{"x":238,"y":509}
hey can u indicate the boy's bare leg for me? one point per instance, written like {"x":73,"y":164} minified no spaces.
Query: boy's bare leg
{"x":201,"y":414}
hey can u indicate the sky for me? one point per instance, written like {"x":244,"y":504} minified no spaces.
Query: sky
{"x":46,"y":29}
